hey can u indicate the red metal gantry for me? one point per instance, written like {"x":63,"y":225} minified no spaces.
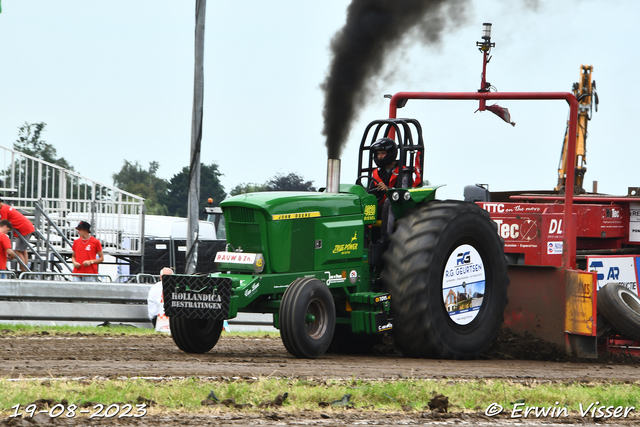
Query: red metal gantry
{"x":549,"y":296}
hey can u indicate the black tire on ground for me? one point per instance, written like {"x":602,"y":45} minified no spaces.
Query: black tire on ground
{"x":307,"y":318}
{"x":447,"y":275}
{"x":195,"y":335}
{"x":620,"y":308}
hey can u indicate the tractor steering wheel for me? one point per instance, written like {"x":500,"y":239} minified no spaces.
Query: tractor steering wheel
{"x":359,"y":179}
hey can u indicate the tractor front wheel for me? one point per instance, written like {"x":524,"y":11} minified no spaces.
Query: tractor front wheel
{"x":307,"y":318}
{"x":195,"y":335}
{"x":447,"y":276}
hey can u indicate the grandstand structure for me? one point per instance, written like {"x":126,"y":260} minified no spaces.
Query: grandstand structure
{"x":56,"y":199}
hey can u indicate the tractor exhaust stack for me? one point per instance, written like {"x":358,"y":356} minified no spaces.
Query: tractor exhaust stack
{"x":333,"y":176}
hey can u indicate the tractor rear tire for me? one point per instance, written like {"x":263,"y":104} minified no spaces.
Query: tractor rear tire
{"x":447,"y":275}
{"x":195,"y":335}
{"x":307,"y":318}
{"x":620,"y":308}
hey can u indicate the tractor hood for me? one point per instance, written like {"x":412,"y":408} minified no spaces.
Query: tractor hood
{"x":300,"y":231}
{"x":276,"y":205}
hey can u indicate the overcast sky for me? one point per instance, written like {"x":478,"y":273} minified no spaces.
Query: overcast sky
{"x":113,"y":80}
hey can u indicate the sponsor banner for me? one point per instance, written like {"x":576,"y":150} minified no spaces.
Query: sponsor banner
{"x":634,"y":222}
{"x":353,"y":276}
{"x":250,"y":290}
{"x":383,"y":298}
{"x":509,"y":208}
{"x":335,"y":278}
{"x":196,"y":297}
{"x":615,"y":269}
{"x":244,"y":258}
{"x":386,"y":327}
{"x":554,"y":248}
{"x":346,"y":248}
{"x":463,"y":284}
{"x":235,"y":257}
{"x":300,"y":215}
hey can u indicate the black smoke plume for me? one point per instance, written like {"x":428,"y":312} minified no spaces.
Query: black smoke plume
{"x":373,"y":29}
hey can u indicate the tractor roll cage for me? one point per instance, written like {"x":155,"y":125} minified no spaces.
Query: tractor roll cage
{"x":569,"y":236}
{"x":406,"y":147}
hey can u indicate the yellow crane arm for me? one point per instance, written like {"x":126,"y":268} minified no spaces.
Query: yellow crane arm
{"x":585,"y":92}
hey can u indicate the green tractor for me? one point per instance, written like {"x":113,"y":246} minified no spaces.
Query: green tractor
{"x":317,"y":262}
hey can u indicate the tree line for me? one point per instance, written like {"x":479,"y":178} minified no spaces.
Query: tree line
{"x":162,"y":197}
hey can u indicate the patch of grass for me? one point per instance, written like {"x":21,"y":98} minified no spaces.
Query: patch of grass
{"x":187,"y":394}
{"x":117,"y":329}
{"x":111,"y":329}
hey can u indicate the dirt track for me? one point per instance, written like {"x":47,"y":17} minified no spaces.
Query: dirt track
{"x":157,"y":356}
{"x":43,"y":356}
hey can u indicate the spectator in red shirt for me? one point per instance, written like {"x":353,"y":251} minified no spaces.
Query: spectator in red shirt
{"x":85,"y":248}
{"x":5,"y":245}
{"x":23,"y":225}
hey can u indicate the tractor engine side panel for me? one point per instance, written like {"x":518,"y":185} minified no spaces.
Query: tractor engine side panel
{"x":339,"y":240}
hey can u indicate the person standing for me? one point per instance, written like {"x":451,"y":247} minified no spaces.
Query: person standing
{"x":87,"y":253}
{"x":23,"y":225}
{"x":5,"y":246}
{"x":155,"y":300}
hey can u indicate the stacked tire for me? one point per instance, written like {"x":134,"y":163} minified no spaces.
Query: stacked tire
{"x":620,"y":308}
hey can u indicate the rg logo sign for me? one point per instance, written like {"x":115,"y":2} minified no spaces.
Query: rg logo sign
{"x":463,"y":258}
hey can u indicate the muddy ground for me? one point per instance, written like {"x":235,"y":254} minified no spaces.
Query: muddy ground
{"x":76,"y":356}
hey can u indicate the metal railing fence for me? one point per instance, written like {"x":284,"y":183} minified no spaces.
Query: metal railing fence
{"x":116,"y":216}
{"x":65,"y":302}
{"x":66,"y":277}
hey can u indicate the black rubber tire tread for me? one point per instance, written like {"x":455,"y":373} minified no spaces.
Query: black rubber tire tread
{"x":346,"y":342}
{"x":620,"y":308}
{"x":195,"y":335}
{"x":293,"y":310}
{"x":413,"y":273}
